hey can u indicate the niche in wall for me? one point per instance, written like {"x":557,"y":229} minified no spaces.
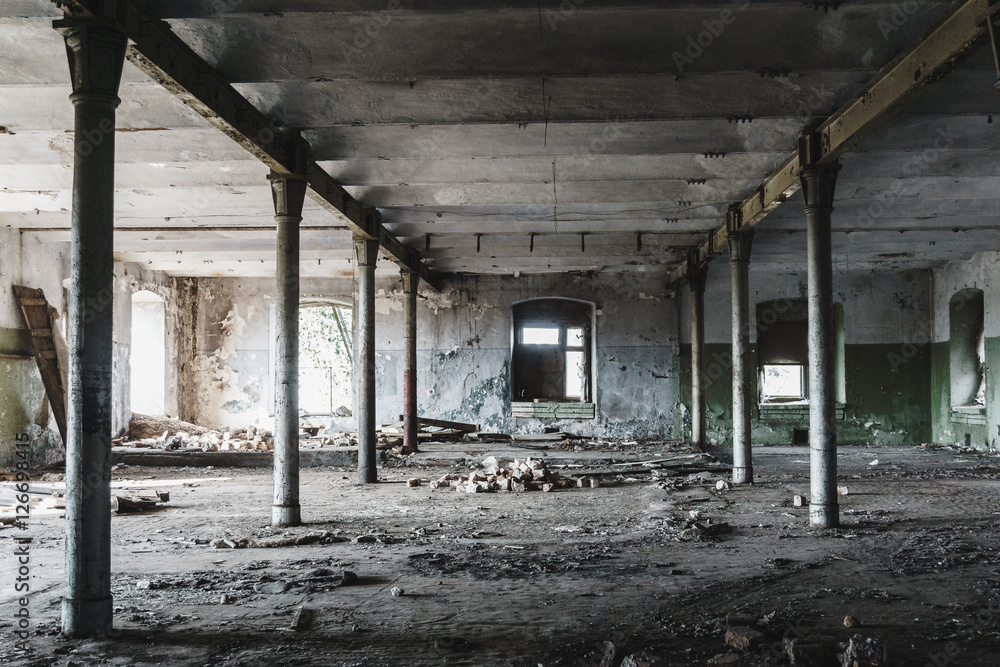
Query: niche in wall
{"x":966,"y":343}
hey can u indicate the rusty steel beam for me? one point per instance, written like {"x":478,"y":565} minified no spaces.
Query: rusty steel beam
{"x":165,"y":58}
{"x":932,"y":56}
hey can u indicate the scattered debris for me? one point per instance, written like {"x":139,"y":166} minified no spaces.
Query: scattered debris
{"x":301,"y":619}
{"x":864,"y":651}
{"x":157,"y":432}
{"x":141,"y":501}
{"x":324,"y":537}
{"x":726,"y":660}
{"x":529,"y":475}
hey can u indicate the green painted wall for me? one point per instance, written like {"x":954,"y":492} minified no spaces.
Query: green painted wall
{"x":888,"y":390}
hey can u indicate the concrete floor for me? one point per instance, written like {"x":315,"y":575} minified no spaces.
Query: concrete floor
{"x":540,"y":578}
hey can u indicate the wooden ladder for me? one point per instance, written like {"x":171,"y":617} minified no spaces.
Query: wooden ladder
{"x":35,"y":310}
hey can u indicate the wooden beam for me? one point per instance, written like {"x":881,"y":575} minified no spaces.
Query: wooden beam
{"x":926,"y":60}
{"x":165,"y":58}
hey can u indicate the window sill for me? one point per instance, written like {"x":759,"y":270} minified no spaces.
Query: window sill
{"x":553,"y":410}
{"x":969,"y":414}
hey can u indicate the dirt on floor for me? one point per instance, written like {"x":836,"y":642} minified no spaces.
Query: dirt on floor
{"x":637,"y":569}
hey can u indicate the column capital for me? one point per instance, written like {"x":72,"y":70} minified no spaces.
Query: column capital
{"x":96,"y":54}
{"x":366,"y":251}
{"x":288,"y":194}
{"x":739,"y":246}
{"x":697,"y":273}
{"x":818,"y":179}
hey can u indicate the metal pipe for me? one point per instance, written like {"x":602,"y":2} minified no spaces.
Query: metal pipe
{"x":696,"y":281}
{"x":818,"y":185}
{"x":96,"y":55}
{"x":739,"y":259}
{"x":364,"y":358}
{"x":410,"y":283}
{"x":288,"y":195}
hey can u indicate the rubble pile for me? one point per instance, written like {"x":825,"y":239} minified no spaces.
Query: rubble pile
{"x":772,"y":640}
{"x":530,"y":474}
{"x":172,"y":434}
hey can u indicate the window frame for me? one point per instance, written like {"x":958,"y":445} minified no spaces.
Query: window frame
{"x":566,"y":315}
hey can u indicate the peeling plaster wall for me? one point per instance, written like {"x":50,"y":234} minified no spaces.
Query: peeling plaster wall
{"x":887,"y":352}
{"x":464,"y":345}
{"x":463,"y":360}
{"x":980,"y":272}
{"x":224,"y":336}
{"x":24,"y":261}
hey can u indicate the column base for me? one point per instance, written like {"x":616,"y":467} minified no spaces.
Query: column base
{"x":283,"y":516}
{"x":87,"y":618}
{"x":824,"y":516}
{"x":742,"y":475}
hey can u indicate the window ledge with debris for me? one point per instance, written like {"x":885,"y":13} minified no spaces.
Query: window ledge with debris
{"x":969,"y":414}
{"x":553,"y":410}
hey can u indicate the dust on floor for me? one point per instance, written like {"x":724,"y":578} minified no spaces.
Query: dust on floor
{"x":448,"y":578}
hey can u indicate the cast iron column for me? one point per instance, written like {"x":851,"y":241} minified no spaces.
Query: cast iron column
{"x":818,"y":184}
{"x":696,"y":280}
{"x":411,"y":281}
{"x":364,"y":358}
{"x":96,"y":55}
{"x":288,"y":194}
{"x":739,"y":260}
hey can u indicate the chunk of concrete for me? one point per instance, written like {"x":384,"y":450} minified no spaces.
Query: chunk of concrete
{"x":864,"y":651}
{"x":741,"y":637}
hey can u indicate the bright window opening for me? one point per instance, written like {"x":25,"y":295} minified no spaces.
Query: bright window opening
{"x":540,"y":335}
{"x":324,"y":359}
{"x":575,"y":370}
{"x":786,"y":381}
{"x":148,"y":361}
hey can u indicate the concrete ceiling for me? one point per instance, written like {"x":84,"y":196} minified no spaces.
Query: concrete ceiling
{"x":515,"y":136}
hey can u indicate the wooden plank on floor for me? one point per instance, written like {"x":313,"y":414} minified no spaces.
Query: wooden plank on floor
{"x":35,"y":310}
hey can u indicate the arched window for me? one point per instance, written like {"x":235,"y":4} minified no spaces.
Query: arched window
{"x":148,"y":360}
{"x":551,"y":356}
